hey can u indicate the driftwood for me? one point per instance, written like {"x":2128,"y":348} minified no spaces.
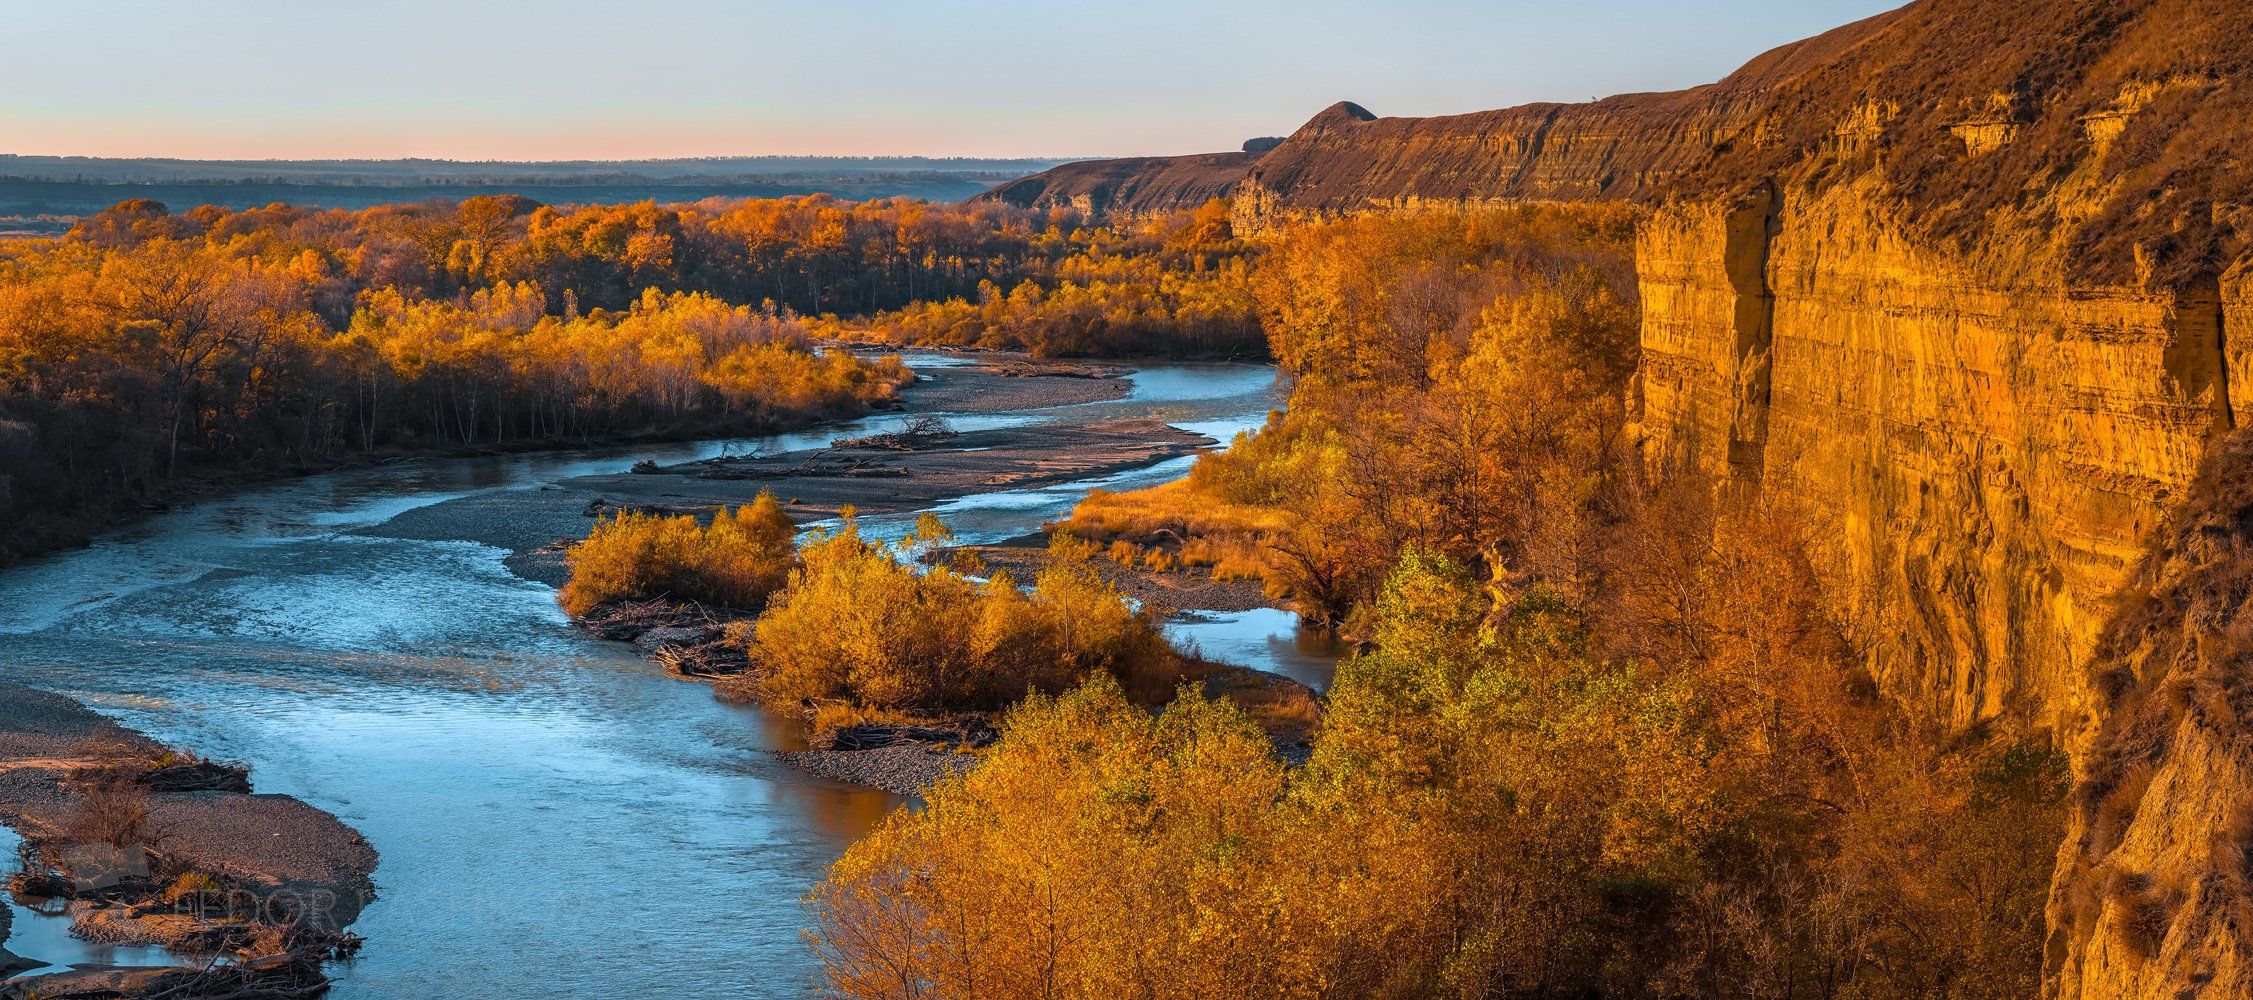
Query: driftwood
{"x":280,"y":976}
{"x":197,"y":776}
{"x":920,"y":433}
{"x":628,"y":620}
{"x":1028,"y":369}
{"x":713,"y":658}
{"x":818,"y":464}
{"x":971,"y":731}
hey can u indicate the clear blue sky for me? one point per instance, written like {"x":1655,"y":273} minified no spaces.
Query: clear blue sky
{"x":527,"y":79}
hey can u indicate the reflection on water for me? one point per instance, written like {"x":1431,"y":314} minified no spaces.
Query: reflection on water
{"x":554,"y":815}
{"x":43,"y":934}
{"x":1262,"y":637}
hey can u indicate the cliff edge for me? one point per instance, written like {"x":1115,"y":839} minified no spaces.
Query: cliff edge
{"x":1969,"y":281}
{"x":1347,"y":159}
{"x":1973,"y":294}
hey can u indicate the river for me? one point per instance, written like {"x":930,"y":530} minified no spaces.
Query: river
{"x":554,"y":815}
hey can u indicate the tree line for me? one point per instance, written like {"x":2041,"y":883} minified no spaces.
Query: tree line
{"x":150,"y":349}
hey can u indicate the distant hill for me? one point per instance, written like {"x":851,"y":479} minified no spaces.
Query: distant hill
{"x":62,"y":186}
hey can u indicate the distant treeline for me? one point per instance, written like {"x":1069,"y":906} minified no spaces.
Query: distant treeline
{"x":150,"y":348}
{"x":78,"y":185}
{"x":434,"y":172}
{"x":20,"y":197}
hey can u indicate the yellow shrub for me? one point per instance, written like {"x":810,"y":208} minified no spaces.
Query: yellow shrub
{"x":858,"y":625}
{"x":737,"y":561}
{"x":193,"y":886}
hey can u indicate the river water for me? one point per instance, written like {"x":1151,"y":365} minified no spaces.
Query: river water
{"x":554,"y":815}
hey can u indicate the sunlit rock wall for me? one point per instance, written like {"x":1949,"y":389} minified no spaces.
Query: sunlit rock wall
{"x":1983,"y":452}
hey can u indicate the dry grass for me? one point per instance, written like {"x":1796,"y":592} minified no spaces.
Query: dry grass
{"x":2116,"y":810}
{"x":194,"y":888}
{"x":1173,"y":512}
{"x":1176,"y":526}
{"x":113,"y":809}
{"x":2140,"y":922}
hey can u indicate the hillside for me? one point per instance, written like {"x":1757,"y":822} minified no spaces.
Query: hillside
{"x":1961,"y":280}
{"x":1130,"y":186}
{"x":1346,"y":158}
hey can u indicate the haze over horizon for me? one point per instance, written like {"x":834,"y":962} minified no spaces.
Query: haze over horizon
{"x":575,"y":79}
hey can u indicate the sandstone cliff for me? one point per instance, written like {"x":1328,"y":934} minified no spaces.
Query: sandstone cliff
{"x":1971,"y":281}
{"x":2151,"y":898}
{"x":1346,"y":159}
{"x":1974,"y":292}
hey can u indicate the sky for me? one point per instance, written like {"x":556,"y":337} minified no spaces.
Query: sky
{"x":578,"y":79}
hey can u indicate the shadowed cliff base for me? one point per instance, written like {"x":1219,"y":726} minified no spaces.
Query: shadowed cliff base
{"x":2152,"y":894}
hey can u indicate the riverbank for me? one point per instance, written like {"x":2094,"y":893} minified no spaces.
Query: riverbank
{"x":77,"y":528}
{"x":895,"y":473}
{"x":533,"y":525}
{"x":907,"y":757}
{"x":141,"y":844}
{"x":1182,"y":590}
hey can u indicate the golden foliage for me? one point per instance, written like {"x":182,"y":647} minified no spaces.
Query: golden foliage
{"x":150,"y":346}
{"x":858,"y":624}
{"x":1459,"y":387}
{"x":1179,"y":286}
{"x":1604,"y":739}
{"x":1098,"y":851}
{"x":1491,"y":809}
{"x":737,"y":561}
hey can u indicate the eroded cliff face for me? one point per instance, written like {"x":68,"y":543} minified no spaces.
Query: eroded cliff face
{"x":2151,"y":895}
{"x":1984,"y":320}
{"x":1347,"y":160}
{"x":1987,"y":450}
{"x":1972,"y":283}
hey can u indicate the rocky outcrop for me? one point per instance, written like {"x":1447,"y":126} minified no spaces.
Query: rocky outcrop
{"x":2151,"y":897}
{"x":1970,"y":283}
{"x":1973,"y":296}
{"x":1137,"y":186}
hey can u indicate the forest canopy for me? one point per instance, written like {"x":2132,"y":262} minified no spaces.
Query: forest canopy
{"x":149,"y":350}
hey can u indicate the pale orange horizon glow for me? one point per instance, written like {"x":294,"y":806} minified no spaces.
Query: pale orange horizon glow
{"x":593,"y":79}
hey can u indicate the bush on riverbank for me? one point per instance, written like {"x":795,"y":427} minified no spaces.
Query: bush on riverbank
{"x":857,"y":624}
{"x":1490,"y":809}
{"x":737,"y":561}
{"x":1093,"y":814}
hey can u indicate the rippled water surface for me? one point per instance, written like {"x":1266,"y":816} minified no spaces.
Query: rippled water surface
{"x":553,"y":815}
